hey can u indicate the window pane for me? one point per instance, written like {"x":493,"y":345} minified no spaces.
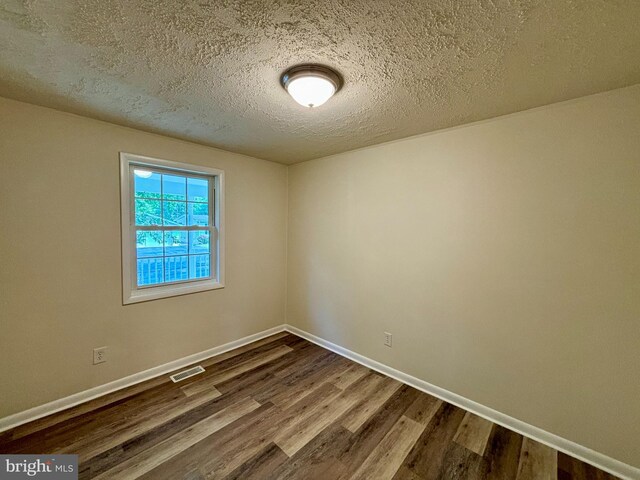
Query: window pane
{"x":148,"y":212}
{"x":174,"y":187}
{"x":175,"y":213}
{"x":150,"y":271}
{"x":198,"y":213}
{"x":175,"y":243}
{"x":147,"y":184}
{"x":199,"y":266}
{"x":176,"y":268}
{"x":198,"y":189}
{"x":149,"y":243}
{"x":198,"y":242}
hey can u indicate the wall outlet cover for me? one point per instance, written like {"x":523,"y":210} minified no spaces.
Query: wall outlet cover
{"x":99,"y":355}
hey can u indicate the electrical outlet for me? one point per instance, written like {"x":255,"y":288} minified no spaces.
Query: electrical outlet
{"x":99,"y":355}
{"x":387,"y":339}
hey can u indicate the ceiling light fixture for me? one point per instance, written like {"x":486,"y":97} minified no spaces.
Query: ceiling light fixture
{"x":142,"y":173}
{"x":311,"y":85}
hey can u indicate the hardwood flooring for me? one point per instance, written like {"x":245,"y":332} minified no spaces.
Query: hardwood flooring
{"x":284,"y":408}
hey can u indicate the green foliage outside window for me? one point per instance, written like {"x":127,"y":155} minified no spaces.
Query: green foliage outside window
{"x":148,"y":213}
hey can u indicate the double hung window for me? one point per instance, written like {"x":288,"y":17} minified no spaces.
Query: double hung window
{"x":171,"y":228}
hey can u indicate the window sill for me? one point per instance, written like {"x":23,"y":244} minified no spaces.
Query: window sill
{"x":166,"y":291}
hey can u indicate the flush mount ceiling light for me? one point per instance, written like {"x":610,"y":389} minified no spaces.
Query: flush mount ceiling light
{"x":142,"y":173}
{"x":311,"y":85}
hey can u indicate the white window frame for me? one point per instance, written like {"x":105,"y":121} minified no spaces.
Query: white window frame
{"x":130,"y":291}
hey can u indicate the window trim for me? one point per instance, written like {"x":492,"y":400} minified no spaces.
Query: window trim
{"x":130,"y":292}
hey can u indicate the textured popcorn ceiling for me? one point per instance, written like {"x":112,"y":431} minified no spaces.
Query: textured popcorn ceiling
{"x":208,"y":70}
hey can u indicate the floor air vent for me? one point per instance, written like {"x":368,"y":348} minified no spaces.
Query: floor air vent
{"x":187,"y":373}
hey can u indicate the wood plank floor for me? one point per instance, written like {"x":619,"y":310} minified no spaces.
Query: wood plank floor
{"x":284,"y":408}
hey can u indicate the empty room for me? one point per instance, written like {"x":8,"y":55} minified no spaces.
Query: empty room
{"x":332,"y":240}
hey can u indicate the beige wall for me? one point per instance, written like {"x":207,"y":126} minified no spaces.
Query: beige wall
{"x":503,"y":256}
{"x":60,"y":268}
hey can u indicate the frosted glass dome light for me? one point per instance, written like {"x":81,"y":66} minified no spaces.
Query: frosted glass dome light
{"x":311,"y":91}
{"x":311,"y":85}
{"x":142,"y":173}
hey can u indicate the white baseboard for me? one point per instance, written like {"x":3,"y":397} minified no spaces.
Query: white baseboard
{"x":603,"y":462}
{"x":585,"y":454}
{"x":77,"y":398}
